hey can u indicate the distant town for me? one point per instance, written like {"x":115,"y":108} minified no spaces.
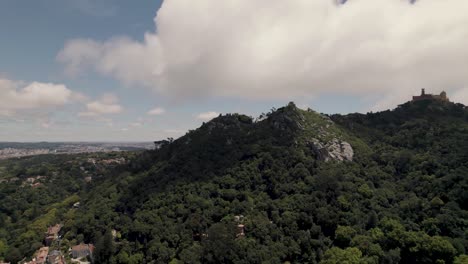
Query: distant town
{"x":17,"y":150}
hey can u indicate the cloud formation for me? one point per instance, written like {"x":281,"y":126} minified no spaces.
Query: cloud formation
{"x":276,"y":49}
{"x":107,"y":104}
{"x":207,"y":116}
{"x":20,"y":96}
{"x":156,"y":111}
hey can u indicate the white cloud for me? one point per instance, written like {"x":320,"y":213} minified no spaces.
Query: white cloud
{"x":19,"y":96}
{"x":206,"y":116}
{"x":289,"y":49}
{"x":79,"y":97}
{"x":47,"y":124}
{"x":156,"y":111}
{"x":78,"y":53}
{"x":107,"y":104}
{"x":136,"y":124}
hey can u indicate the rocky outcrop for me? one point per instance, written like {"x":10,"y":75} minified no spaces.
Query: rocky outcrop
{"x":285,"y":122}
{"x":228,"y":122}
{"x":312,"y":129}
{"x":333,"y":150}
{"x":287,"y":118}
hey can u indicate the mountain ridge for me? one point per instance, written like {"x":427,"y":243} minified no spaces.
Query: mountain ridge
{"x":272,"y":190}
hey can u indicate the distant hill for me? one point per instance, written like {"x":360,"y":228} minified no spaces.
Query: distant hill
{"x":24,"y":149}
{"x":293,"y":186}
{"x":63,"y":145}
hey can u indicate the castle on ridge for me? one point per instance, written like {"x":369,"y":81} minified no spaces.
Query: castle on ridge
{"x":424,"y":96}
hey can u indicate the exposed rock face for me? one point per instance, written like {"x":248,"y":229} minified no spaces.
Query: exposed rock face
{"x":333,"y":150}
{"x":288,"y":118}
{"x":312,"y":129}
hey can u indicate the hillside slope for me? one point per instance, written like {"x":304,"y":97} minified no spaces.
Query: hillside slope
{"x":388,"y":187}
{"x":292,"y":186}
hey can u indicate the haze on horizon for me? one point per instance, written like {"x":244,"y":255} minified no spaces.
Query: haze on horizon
{"x":103,"y":70}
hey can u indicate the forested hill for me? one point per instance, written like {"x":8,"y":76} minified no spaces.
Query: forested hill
{"x":293,"y":186}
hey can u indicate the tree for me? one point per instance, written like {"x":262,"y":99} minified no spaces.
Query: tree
{"x":337,"y":255}
{"x":343,"y":235}
{"x":372,"y":220}
{"x":14,"y":255}
{"x":104,"y":248}
{"x":192,"y":254}
{"x":462,"y":259}
{"x":3,"y":249}
{"x":219,"y":245}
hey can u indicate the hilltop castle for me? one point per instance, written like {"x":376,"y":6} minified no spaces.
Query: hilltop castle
{"x":424,"y":96}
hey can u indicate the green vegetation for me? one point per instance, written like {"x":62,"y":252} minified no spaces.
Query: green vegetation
{"x":40,"y":191}
{"x":403,"y":198}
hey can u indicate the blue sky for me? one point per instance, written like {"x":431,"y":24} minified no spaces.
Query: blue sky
{"x":92,"y":70}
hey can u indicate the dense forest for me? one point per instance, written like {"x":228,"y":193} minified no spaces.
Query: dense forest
{"x":292,"y":186}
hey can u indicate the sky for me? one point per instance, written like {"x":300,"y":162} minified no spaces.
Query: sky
{"x":118,"y":70}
